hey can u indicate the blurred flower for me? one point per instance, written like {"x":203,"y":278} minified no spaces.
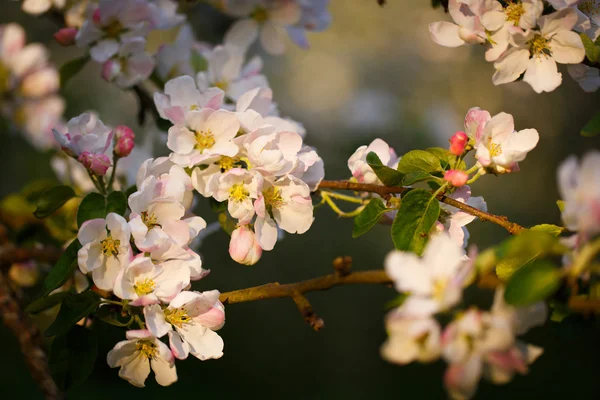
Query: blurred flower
{"x":37,"y":7}
{"x":456,"y":178}
{"x":587,"y":77}
{"x":411,"y":339}
{"x":66,"y":36}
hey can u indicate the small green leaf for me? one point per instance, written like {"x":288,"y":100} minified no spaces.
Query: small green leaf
{"x":531,"y":283}
{"x":218,"y":206}
{"x":592,"y":128}
{"x":71,"y":68}
{"x":198,"y":62}
{"x":416,"y":176}
{"x":554,"y":230}
{"x":418,"y":213}
{"x":397,"y":302}
{"x":92,"y":206}
{"x":388,"y":176}
{"x":592,"y":51}
{"x":45,"y":303}
{"x":116,"y":202}
{"x":63,"y":269}
{"x":73,"y":308}
{"x":368,"y":217}
{"x":447,"y":159}
{"x":72,"y":357}
{"x":419,"y":160}
{"x":53,"y":199}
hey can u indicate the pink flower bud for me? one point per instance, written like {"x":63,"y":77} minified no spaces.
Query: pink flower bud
{"x":66,"y":36}
{"x":244,"y":247}
{"x":97,"y":164}
{"x":456,"y":178}
{"x":96,"y":16}
{"x":458,"y":142}
{"x":124,"y":140}
{"x":111,"y":69}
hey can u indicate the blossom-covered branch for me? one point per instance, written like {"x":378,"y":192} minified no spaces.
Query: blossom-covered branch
{"x":385,"y":191}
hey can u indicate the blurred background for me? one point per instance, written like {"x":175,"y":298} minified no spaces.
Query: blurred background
{"x":374,"y":73}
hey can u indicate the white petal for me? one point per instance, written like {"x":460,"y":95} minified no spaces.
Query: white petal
{"x":542,"y":74}
{"x":446,"y":34}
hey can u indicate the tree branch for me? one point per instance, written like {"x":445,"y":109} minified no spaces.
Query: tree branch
{"x":386,"y":191}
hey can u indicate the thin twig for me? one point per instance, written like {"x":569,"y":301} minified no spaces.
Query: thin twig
{"x":384,"y":191}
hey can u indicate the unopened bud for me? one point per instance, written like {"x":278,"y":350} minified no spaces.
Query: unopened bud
{"x":456,"y":178}
{"x":124,"y":140}
{"x":66,"y":36}
{"x":458,"y":142}
{"x":244,"y":247}
{"x":97,"y":164}
{"x":96,"y":16}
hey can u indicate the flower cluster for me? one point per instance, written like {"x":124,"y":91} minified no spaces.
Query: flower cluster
{"x":250,"y":159}
{"x":520,"y":40}
{"x":28,"y":86}
{"x":475,"y":343}
{"x":269,"y":20}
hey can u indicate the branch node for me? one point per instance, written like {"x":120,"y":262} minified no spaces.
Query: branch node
{"x":307,"y":311}
{"x":342,"y":266}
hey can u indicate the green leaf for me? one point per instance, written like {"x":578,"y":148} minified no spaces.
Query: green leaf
{"x":416,"y":176}
{"x":198,"y":62}
{"x":63,"y":269}
{"x":554,"y":230}
{"x":419,"y":160}
{"x":53,"y":199}
{"x":368,"y":217}
{"x":418,"y":213}
{"x":45,"y":303}
{"x":592,"y":51}
{"x":92,"y":206}
{"x":592,"y":128}
{"x":387,"y":175}
{"x":447,"y":159}
{"x":72,"y":357}
{"x":531,"y":283}
{"x":73,"y":308}
{"x":397,"y":302}
{"x":71,"y":68}
{"x":116,"y":202}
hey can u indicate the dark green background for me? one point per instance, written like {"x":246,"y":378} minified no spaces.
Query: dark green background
{"x":269,"y":351}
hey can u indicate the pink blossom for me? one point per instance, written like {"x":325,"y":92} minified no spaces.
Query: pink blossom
{"x":456,"y":178}
{"x":124,"y":141}
{"x":95,"y":163}
{"x":244,"y":247}
{"x":66,"y":36}
{"x":458,"y":142}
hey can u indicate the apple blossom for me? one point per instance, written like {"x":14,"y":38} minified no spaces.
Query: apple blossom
{"x":85,"y":133}
{"x":243,"y":247}
{"x":537,"y":52}
{"x":411,"y":339}
{"x":456,"y":220}
{"x":456,"y":178}
{"x":105,"y":250}
{"x":124,"y":141}
{"x":36,"y":7}
{"x":140,"y":352}
{"x":190,"y":320}
{"x":500,"y":147}
{"x":357,"y":163}
{"x":130,"y":65}
{"x":467,"y":29}
{"x":435,"y":281}
{"x":239,"y":187}
{"x":579,"y":187}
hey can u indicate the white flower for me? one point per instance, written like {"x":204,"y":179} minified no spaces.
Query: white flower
{"x":537,"y":52}
{"x":37,"y":7}
{"x":190,"y":320}
{"x":500,"y":147}
{"x":272,"y":153}
{"x":181,"y":95}
{"x":144,"y":282}
{"x":175,"y":59}
{"x":475,"y":122}
{"x":105,"y":250}
{"x":357,"y":163}
{"x":468,"y":28}
{"x":239,"y":187}
{"x":455,"y":223}
{"x":587,"y":77}
{"x":206,"y":133}
{"x":85,"y":133}
{"x":136,"y":355}
{"x":411,"y":340}
{"x":434,"y":282}
{"x":579,"y":187}
{"x":288,"y":201}
{"x":310,"y":168}
{"x":226,"y":71}
{"x":589,"y":18}
{"x":131,"y":65}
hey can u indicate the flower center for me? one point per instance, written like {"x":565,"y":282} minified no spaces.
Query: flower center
{"x":223,"y":85}
{"x":226,"y":163}
{"x":149,"y":220}
{"x":260,"y":15}
{"x":495,"y":149}
{"x":204,"y":140}
{"x":177,"y":317}
{"x":538,"y":45}
{"x":144,"y":286}
{"x":273,"y":197}
{"x":147,"y":348}
{"x":238,"y":192}
{"x":113,"y":29}
{"x":110,"y":247}
{"x":439,"y":288}
{"x":513,"y":12}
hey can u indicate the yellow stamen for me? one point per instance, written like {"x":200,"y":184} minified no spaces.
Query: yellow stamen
{"x":177,"y":317}
{"x":538,"y":45}
{"x":204,"y":140}
{"x":238,"y":192}
{"x":514,"y":11}
{"x":273,"y":197}
{"x":226,"y":163}
{"x":147,"y":348}
{"x":113,"y":29}
{"x":149,"y":220}
{"x":439,"y":287}
{"x":144,"y":286}
{"x":223,"y":85}
{"x":260,"y":15}
{"x":110,"y":247}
